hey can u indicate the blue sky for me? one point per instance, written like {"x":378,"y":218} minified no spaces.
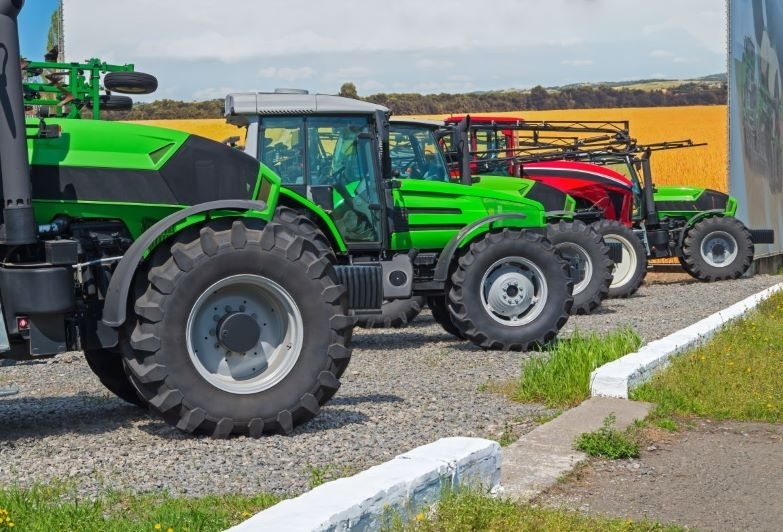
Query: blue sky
{"x":200,"y":49}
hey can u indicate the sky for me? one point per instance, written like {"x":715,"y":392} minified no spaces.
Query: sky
{"x":202,"y":49}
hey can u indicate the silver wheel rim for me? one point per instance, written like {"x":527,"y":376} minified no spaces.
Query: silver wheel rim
{"x":570,"y":251}
{"x":271,"y":357}
{"x":514,"y":291}
{"x":623,"y":271}
{"x":719,"y":249}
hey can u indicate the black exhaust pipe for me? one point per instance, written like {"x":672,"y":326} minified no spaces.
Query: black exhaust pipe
{"x":461,"y":141}
{"x":18,"y":221}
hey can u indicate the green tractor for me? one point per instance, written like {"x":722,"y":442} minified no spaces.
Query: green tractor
{"x":478,"y":255}
{"x":158,"y":254}
{"x":201,"y":286}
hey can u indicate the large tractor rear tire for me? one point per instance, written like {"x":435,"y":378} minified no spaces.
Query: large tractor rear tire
{"x":717,"y":248}
{"x":240,"y":331}
{"x":396,"y":313}
{"x":589,"y":262}
{"x":510,"y":291}
{"x":108,"y":367}
{"x":628,"y":274}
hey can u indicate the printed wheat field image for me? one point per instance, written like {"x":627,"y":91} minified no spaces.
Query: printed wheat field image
{"x":702,"y":166}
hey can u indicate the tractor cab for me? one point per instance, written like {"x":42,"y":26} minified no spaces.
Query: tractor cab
{"x":325,"y":154}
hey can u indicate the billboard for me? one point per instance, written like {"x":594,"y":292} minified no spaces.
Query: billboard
{"x":756,"y":115}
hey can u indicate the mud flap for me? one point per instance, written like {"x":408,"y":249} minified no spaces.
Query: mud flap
{"x":762,"y":236}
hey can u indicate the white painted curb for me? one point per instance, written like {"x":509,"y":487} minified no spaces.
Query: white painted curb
{"x":400,"y":487}
{"x":616,"y":378}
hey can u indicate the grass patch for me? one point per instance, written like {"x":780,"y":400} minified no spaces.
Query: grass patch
{"x":608,"y":442}
{"x":50,"y":508}
{"x":471,"y":510}
{"x":562,"y":379}
{"x":735,"y":375}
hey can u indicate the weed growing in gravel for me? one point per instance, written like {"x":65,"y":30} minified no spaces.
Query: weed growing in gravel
{"x":735,"y":375}
{"x":563,"y":378}
{"x":508,"y":436}
{"x":318,"y":475}
{"x":608,"y":442}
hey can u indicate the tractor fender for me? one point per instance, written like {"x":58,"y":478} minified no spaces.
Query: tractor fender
{"x":114,"y":308}
{"x":292,"y":199}
{"x":465,"y":235}
{"x":693,"y":221}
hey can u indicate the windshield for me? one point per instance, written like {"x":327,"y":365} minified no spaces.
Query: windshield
{"x":624,"y":165}
{"x":415,"y":153}
{"x":328,"y":157}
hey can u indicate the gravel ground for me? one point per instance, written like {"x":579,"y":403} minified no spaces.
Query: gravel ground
{"x":404,"y":388}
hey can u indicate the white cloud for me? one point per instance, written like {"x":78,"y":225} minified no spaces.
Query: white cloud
{"x":212,"y":93}
{"x":577,"y":62}
{"x":287,"y":74}
{"x":406,"y":44}
{"x":433,"y":64}
{"x":660,"y":54}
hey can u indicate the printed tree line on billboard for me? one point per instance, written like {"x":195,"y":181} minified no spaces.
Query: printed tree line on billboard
{"x":760,"y":83}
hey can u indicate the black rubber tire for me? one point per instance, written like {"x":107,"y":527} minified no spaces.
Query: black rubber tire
{"x":629,"y":273}
{"x":108,"y":367}
{"x":396,"y":314}
{"x":549,"y":294}
{"x":130,"y":82}
{"x":185,"y":391}
{"x":305,"y":227}
{"x":717,"y":234}
{"x":442,"y":316}
{"x":578,"y":241}
{"x":113,"y":102}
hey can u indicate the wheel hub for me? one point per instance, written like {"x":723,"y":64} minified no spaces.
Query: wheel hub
{"x":238,"y":332}
{"x":719,"y":249}
{"x":510,"y":294}
{"x":244,"y":334}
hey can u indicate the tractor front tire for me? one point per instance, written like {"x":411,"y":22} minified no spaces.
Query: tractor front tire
{"x":717,"y":248}
{"x":239,"y":331}
{"x":510,"y":291}
{"x":396,"y":313}
{"x":629,"y":273}
{"x":586,"y":252}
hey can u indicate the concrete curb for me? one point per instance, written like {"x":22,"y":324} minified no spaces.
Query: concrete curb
{"x":400,"y":487}
{"x":532,"y":464}
{"x":616,"y":378}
